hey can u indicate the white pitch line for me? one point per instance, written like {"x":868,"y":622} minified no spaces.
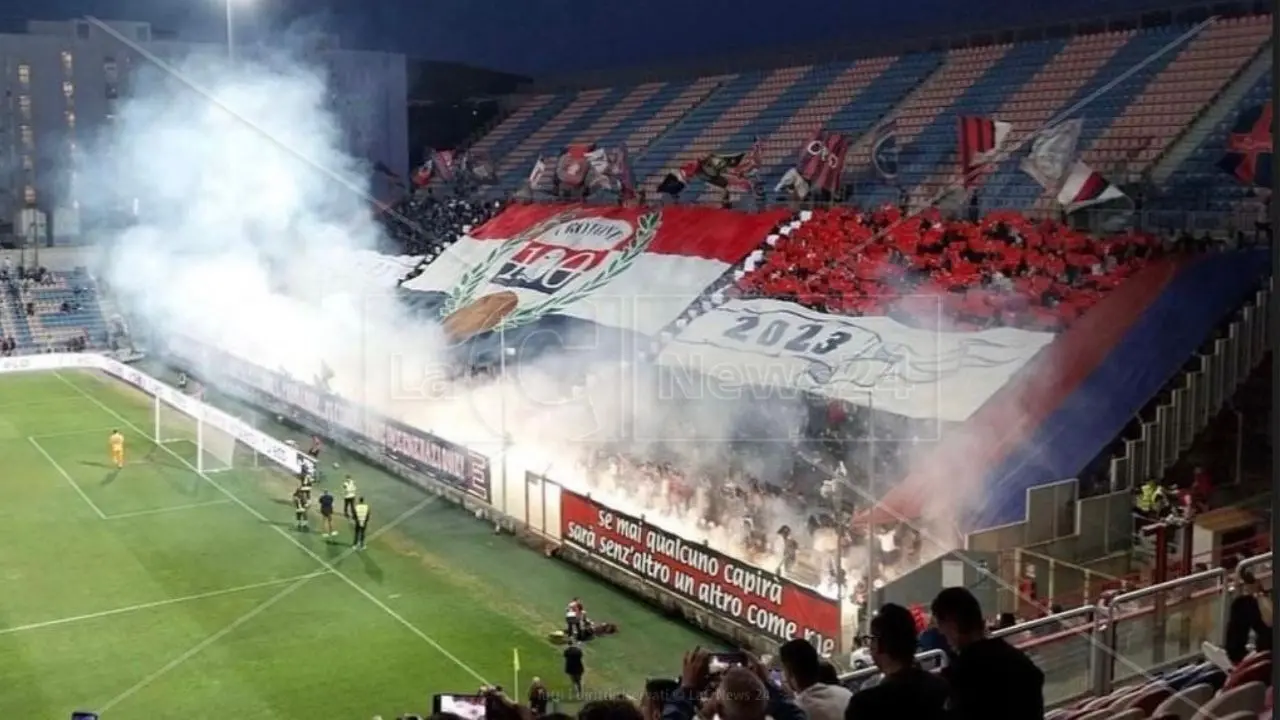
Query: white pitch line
{"x":171,"y":508}
{"x":195,"y":650}
{"x":67,"y":476}
{"x":308,"y":551}
{"x":156,"y":604}
{"x":254,"y":612}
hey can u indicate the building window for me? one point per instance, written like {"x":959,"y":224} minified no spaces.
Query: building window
{"x":24,"y":75}
{"x":28,"y":137}
{"x":28,"y":163}
{"x":71,"y":120}
{"x":68,"y":66}
{"x":82,"y":30}
{"x":24,"y":107}
{"x":68,"y":89}
{"x":110,"y":69}
{"x":29,"y":195}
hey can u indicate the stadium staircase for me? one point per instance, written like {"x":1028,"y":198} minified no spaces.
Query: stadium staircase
{"x":667,"y":152}
{"x":1188,"y":177}
{"x":8,"y":315}
{"x":530,"y":116}
{"x":888,"y":81}
{"x":18,"y":307}
{"x":1029,"y":109}
{"x":794,"y":87}
{"x":956,"y":72}
{"x":985,"y":77}
{"x":632,"y":109}
{"x":1144,"y":113}
{"x":556,"y":132}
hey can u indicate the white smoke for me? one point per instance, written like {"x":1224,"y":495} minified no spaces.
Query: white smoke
{"x":253,"y":224}
{"x":252,"y":221}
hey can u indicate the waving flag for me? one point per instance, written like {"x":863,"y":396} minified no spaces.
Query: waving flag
{"x":444,"y":161}
{"x":792,"y":180}
{"x":573,"y":165}
{"x":478,"y":168}
{"x":1249,"y":147}
{"x":422,"y":175}
{"x":1085,"y":186}
{"x":676,"y":180}
{"x":540,"y":177}
{"x":1053,"y":153}
{"x":821,"y":161}
{"x":884,"y":151}
{"x":610,"y":170}
{"x":980,"y":141}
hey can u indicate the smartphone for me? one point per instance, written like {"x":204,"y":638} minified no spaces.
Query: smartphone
{"x":721,"y":661}
{"x":468,"y":707}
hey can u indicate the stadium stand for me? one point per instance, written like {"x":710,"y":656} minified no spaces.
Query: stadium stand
{"x":843,"y":261}
{"x":1007,"y":269}
{"x":425,"y":223}
{"x":1197,"y":182}
{"x":1034,"y":104}
{"x":632,"y":117}
{"x":48,"y":311}
{"x":1167,"y":103}
{"x":520,"y":124}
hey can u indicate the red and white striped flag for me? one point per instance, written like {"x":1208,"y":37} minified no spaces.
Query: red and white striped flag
{"x":980,"y":141}
{"x":1085,"y":186}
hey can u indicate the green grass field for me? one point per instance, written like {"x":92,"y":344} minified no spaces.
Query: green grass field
{"x":154,"y":592}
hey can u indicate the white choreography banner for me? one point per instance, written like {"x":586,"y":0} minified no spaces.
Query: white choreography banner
{"x":862,"y":360}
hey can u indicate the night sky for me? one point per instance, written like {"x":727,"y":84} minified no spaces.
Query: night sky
{"x":542,"y":37}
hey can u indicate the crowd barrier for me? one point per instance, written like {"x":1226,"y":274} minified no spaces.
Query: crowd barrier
{"x":1127,"y":637}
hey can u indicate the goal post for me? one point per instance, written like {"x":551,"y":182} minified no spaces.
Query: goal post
{"x":205,"y":446}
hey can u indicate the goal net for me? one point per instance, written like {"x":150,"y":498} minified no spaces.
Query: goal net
{"x":205,"y":447}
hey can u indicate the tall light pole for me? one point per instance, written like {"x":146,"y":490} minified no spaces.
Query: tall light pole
{"x":231,"y":29}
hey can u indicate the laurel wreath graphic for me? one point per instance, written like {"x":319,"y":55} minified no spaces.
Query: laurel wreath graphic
{"x":464,"y":292}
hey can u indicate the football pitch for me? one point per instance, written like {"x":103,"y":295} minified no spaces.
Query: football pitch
{"x":158,"y":592}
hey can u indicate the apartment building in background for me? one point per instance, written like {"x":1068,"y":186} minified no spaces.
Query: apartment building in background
{"x":65,"y":81}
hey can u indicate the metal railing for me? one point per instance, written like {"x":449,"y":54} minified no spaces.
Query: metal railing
{"x":1090,"y":650}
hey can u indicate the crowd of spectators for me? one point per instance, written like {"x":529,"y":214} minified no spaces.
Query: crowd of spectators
{"x":984,"y":678}
{"x":428,"y":220}
{"x":786,"y":506}
{"x":1004,"y":270}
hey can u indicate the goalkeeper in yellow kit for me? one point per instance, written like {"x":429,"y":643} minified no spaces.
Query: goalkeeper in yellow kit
{"x":117,"y":449}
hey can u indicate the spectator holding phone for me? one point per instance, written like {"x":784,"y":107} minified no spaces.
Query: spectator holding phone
{"x":802,"y":672}
{"x":742,"y":693}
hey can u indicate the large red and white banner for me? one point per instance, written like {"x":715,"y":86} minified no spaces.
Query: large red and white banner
{"x":739,"y":592}
{"x":630,"y":268}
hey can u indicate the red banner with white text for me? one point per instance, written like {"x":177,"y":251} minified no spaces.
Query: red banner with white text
{"x":737,"y":591}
